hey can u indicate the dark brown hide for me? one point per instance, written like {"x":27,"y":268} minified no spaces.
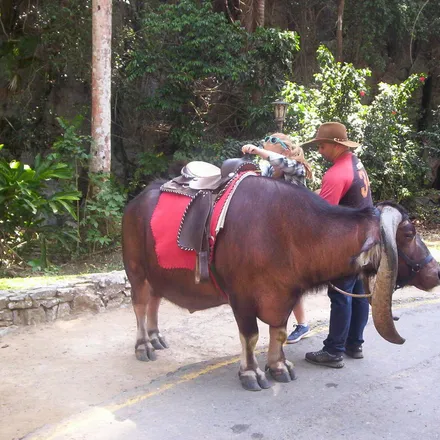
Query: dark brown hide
{"x":279,"y":240}
{"x":141,"y":264}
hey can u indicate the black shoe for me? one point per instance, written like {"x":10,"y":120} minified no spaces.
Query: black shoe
{"x":354,"y":351}
{"x":325,"y":359}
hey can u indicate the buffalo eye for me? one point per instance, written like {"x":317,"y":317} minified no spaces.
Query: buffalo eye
{"x":410,"y":232}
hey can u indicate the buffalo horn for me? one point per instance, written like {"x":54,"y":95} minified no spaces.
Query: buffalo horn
{"x":386,"y":277}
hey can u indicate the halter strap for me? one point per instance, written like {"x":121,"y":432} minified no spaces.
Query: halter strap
{"x":415,"y":267}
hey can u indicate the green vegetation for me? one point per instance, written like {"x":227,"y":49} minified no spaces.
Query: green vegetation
{"x":385,"y":127}
{"x":27,"y":204}
{"x":193,"y":84}
{"x":208,"y":73}
{"x":31,"y":282}
{"x":42,"y":209}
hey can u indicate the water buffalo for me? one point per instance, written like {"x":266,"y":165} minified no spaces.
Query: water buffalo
{"x":278,"y":241}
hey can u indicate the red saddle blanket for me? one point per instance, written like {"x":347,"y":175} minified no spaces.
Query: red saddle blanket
{"x":165,"y":224}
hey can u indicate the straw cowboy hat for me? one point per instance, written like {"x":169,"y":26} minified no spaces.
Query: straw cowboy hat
{"x":332,"y":132}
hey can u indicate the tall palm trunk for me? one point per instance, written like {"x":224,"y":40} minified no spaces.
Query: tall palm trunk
{"x":100,"y":157}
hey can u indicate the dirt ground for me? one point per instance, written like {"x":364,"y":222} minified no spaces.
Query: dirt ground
{"x":53,"y":371}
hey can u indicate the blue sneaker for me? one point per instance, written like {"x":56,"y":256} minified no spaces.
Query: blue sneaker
{"x":298,"y":333}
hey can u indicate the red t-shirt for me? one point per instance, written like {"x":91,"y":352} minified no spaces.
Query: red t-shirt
{"x":346,"y":183}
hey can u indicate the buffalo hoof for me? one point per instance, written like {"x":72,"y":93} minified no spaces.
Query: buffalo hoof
{"x":254,"y":380}
{"x":284,"y":374}
{"x":158,"y":341}
{"x":292,"y":373}
{"x":145,"y":352}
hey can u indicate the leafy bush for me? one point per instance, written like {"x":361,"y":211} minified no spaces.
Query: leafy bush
{"x":149,"y":166}
{"x":33,"y":208}
{"x":204,"y":71}
{"x":99,"y":215}
{"x":392,"y":155}
{"x":379,"y":32}
{"x":26,"y":204}
{"x":102,"y":214}
{"x":430,"y":139}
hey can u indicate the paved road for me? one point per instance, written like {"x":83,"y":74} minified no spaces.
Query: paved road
{"x":391,"y":394}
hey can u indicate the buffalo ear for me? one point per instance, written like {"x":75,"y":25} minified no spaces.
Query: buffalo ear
{"x":369,"y":254}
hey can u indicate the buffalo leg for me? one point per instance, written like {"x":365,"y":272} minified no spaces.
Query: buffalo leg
{"x":156,"y":339}
{"x":252,"y":378}
{"x":142,"y":296}
{"x":279,"y":367}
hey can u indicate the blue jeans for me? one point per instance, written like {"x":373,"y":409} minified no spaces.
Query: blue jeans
{"x":348,"y":315}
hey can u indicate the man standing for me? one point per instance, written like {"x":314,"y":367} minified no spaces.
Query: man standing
{"x":345,"y":183}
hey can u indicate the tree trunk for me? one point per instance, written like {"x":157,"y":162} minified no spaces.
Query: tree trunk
{"x":7,"y":18}
{"x":339,"y":29}
{"x":259,"y":13}
{"x":256,"y":19}
{"x":252,"y":14}
{"x":100,"y":152}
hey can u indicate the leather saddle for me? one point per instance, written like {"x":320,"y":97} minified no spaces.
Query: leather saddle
{"x":203,"y":183}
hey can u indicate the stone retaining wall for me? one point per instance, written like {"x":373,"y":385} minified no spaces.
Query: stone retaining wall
{"x":87,"y":293}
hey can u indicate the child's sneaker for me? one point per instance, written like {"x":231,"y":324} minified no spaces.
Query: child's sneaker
{"x":298,"y":333}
